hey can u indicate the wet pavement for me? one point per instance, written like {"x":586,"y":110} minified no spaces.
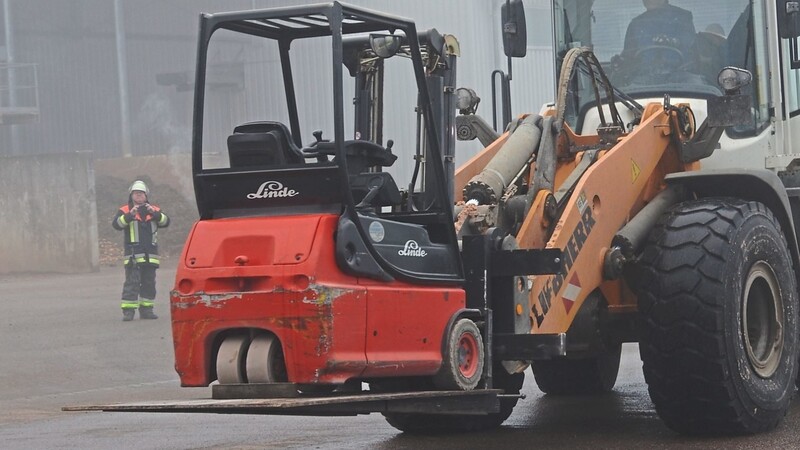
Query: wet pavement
{"x":62,"y":343}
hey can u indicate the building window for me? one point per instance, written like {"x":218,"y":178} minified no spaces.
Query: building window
{"x":537,"y":18}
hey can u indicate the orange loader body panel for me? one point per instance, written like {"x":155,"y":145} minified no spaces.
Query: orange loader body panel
{"x":626,"y":176}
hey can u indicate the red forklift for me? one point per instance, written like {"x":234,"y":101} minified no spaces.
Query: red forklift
{"x":313,"y":270}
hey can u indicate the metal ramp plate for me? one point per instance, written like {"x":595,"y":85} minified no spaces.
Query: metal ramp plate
{"x":476,"y":402}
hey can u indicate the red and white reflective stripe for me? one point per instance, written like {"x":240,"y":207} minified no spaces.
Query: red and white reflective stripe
{"x":571,"y":292}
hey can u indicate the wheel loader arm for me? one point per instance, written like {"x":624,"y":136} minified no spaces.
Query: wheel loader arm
{"x":474,"y":166}
{"x":608,"y":194}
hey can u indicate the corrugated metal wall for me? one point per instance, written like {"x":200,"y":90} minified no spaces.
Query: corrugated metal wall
{"x":74,"y":45}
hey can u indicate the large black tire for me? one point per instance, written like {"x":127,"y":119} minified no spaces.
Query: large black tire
{"x":445,"y":423}
{"x":584,"y":376}
{"x":719,"y":303}
{"x":791,"y":179}
{"x":511,"y":384}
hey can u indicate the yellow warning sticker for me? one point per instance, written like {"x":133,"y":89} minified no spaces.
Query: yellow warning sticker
{"x":635,"y":171}
{"x":581,"y":203}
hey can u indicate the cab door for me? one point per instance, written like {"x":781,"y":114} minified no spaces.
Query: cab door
{"x":786,"y":63}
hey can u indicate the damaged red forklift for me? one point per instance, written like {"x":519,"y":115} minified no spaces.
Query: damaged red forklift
{"x":310,"y":271}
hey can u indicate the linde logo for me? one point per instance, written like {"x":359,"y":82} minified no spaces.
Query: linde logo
{"x":412,"y":249}
{"x":272,"y":189}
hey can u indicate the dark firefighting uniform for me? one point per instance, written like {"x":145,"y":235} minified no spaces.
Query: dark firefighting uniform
{"x":141,"y":253}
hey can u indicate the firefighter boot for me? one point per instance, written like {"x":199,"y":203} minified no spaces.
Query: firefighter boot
{"x":127,"y":314}
{"x":146,"y":312}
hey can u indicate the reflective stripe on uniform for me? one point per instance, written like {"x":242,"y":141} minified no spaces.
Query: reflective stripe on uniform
{"x":163,"y":219}
{"x":133,"y":230}
{"x":143,"y":258}
{"x":129,"y":304}
{"x":121,"y":221}
{"x":146,"y":303}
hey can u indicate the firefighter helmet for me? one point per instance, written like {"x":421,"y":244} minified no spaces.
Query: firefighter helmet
{"x":139,"y":185}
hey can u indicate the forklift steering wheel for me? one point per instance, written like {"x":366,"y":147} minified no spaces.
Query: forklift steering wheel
{"x":375,"y":154}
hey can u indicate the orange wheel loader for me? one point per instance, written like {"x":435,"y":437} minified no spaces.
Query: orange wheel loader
{"x":653,"y":202}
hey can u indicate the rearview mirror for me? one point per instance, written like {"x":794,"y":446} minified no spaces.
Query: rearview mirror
{"x":515,"y":35}
{"x":788,"y":19}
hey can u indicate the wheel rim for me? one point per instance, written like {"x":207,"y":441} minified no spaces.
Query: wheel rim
{"x":468,"y":355}
{"x":762,"y":320}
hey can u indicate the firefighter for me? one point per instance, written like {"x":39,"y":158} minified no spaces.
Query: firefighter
{"x":139,"y":222}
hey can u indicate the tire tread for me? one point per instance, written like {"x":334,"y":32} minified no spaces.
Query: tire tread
{"x":685,"y":365}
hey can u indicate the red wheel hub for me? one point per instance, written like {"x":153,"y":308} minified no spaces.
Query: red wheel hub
{"x":468,"y":355}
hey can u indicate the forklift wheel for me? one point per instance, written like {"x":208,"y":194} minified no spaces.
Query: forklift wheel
{"x":719,"y":301}
{"x":264,"y":361}
{"x":462,"y":366}
{"x":231,"y":360}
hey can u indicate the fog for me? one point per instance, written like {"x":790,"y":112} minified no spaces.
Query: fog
{"x":112,"y":81}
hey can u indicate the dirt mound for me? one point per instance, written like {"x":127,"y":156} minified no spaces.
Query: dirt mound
{"x":111,"y":193}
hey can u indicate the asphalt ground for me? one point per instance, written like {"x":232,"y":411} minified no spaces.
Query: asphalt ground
{"x":62,"y":342}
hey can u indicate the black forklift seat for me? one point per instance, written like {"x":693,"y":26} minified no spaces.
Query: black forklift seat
{"x":262,"y":144}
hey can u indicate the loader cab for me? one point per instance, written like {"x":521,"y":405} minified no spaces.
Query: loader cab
{"x":683,"y":58}
{"x":655,"y":47}
{"x":291,"y":119}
